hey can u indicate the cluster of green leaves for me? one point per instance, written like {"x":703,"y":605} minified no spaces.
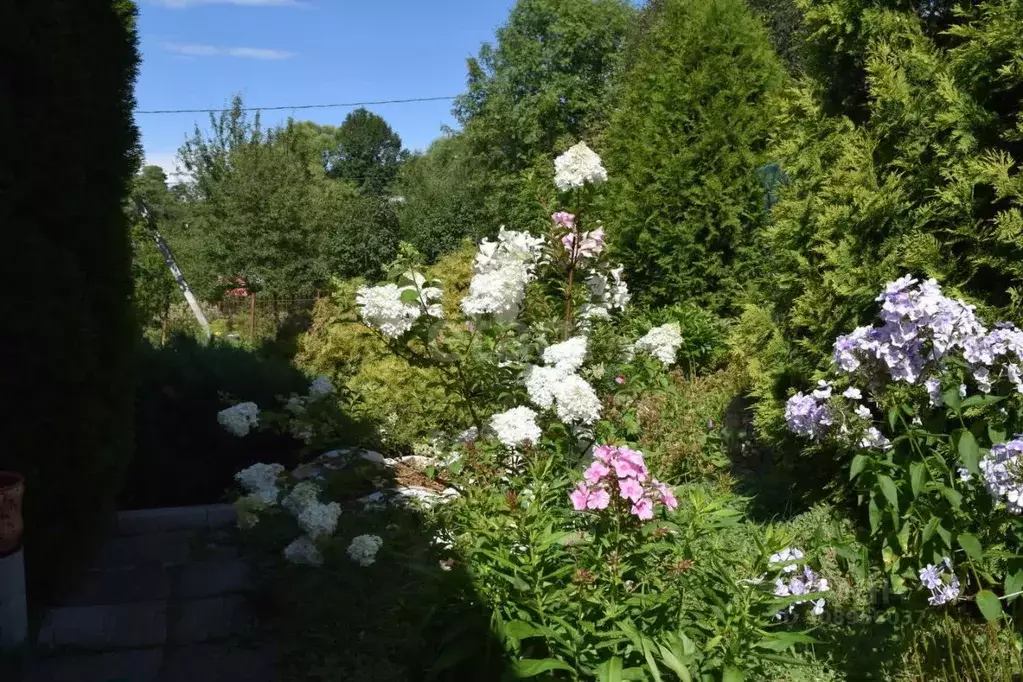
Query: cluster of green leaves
{"x":900,"y":155}
{"x":286,"y":208}
{"x":683,"y":149}
{"x":546,"y":82}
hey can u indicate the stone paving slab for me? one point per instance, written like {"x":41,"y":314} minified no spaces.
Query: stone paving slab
{"x":175,"y":518}
{"x":205,"y":620}
{"x":139,"y":665}
{"x":219,"y":663}
{"x":214,"y":576}
{"x":106,"y":626}
{"x":151,"y":549}
{"x":121,"y":586}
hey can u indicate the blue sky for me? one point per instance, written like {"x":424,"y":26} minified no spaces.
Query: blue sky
{"x":197,"y":53}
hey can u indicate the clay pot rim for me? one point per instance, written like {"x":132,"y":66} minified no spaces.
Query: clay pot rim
{"x":10,"y":480}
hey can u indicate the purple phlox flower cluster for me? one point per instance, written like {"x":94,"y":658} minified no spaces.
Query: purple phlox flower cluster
{"x":1002,"y":470}
{"x":808,"y":416}
{"x":944,"y":586}
{"x":798,"y":583}
{"x":920,"y":328}
{"x":622,"y":472}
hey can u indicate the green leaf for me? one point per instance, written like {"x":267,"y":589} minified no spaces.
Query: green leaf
{"x":674,"y":660}
{"x":929,"y":529}
{"x":945,"y":535}
{"x":780,"y":641}
{"x":954,"y":497}
{"x":981,"y":400}
{"x":732,"y":674}
{"x":874,"y":514}
{"x":610,"y":670}
{"x":889,"y":489}
{"x":859,"y":462}
{"x":531,"y":667}
{"x":952,"y":399}
{"x":917,"y":477}
{"x":409,"y":296}
{"x":971,"y":545}
{"x":1013,"y":584}
{"x":520,"y":629}
{"x":989,"y":605}
{"x":969,"y":452}
{"x":893,"y":417}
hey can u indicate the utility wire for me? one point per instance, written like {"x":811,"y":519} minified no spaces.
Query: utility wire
{"x":297,"y":106}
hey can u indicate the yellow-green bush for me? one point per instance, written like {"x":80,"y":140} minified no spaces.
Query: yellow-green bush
{"x":408,"y":401}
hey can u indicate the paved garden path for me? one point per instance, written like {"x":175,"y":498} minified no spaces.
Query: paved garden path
{"x":168,"y":600}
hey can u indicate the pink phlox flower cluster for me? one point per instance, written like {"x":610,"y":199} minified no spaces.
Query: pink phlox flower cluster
{"x":584,"y":245}
{"x":564,"y":219}
{"x":622,"y":471}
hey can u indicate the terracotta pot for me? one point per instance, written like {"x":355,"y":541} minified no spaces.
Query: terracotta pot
{"x":12,"y":491}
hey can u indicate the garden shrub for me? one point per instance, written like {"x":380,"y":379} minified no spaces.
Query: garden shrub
{"x":683,"y":150}
{"x":407,"y":399}
{"x":921,"y":177}
{"x":183,"y":456}
{"x":68,"y":326}
{"x":607,"y":573}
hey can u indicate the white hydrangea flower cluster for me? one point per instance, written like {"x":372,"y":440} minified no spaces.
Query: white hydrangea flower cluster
{"x":303,"y":550}
{"x":1002,"y":469}
{"x":363,"y":549}
{"x":501,"y":271}
{"x":662,"y":342}
{"x":382,"y":308}
{"x":556,"y":383}
{"x":239,"y":419}
{"x":260,"y":481}
{"x":578,"y":166}
{"x":515,"y":427}
{"x":321,"y":387}
{"x":304,"y":493}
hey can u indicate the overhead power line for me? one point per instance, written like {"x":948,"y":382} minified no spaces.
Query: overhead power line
{"x":297,"y":106}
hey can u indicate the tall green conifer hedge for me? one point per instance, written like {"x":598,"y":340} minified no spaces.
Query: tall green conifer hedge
{"x":70,"y":150}
{"x":684,"y":148}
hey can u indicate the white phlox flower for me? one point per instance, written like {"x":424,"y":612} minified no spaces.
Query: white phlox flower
{"x":578,"y":166}
{"x":363,"y":549}
{"x":303,"y":550}
{"x":239,"y":419}
{"x":662,"y":342}
{"x":567,"y":356}
{"x":501,"y":271}
{"x":516,"y":427}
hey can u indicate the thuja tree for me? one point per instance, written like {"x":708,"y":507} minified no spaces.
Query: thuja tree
{"x":928,"y":183}
{"x":68,"y":326}
{"x":684,"y":148}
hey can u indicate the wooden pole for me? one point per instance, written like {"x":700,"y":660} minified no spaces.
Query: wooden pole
{"x":252,"y":319}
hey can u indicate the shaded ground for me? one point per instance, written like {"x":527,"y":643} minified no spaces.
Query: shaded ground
{"x":168,"y":599}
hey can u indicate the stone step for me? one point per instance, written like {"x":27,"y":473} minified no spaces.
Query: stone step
{"x":105,"y":626}
{"x":139,"y":665}
{"x":219,"y":663}
{"x":139,"y":521}
{"x":122,"y":586}
{"x":170,"y":548}
{"x":214,"y":576}
{"x":210,"y":619}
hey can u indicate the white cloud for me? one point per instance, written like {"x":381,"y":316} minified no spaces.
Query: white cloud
{"x":182,"y":4}
{"x":198,"y":50}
